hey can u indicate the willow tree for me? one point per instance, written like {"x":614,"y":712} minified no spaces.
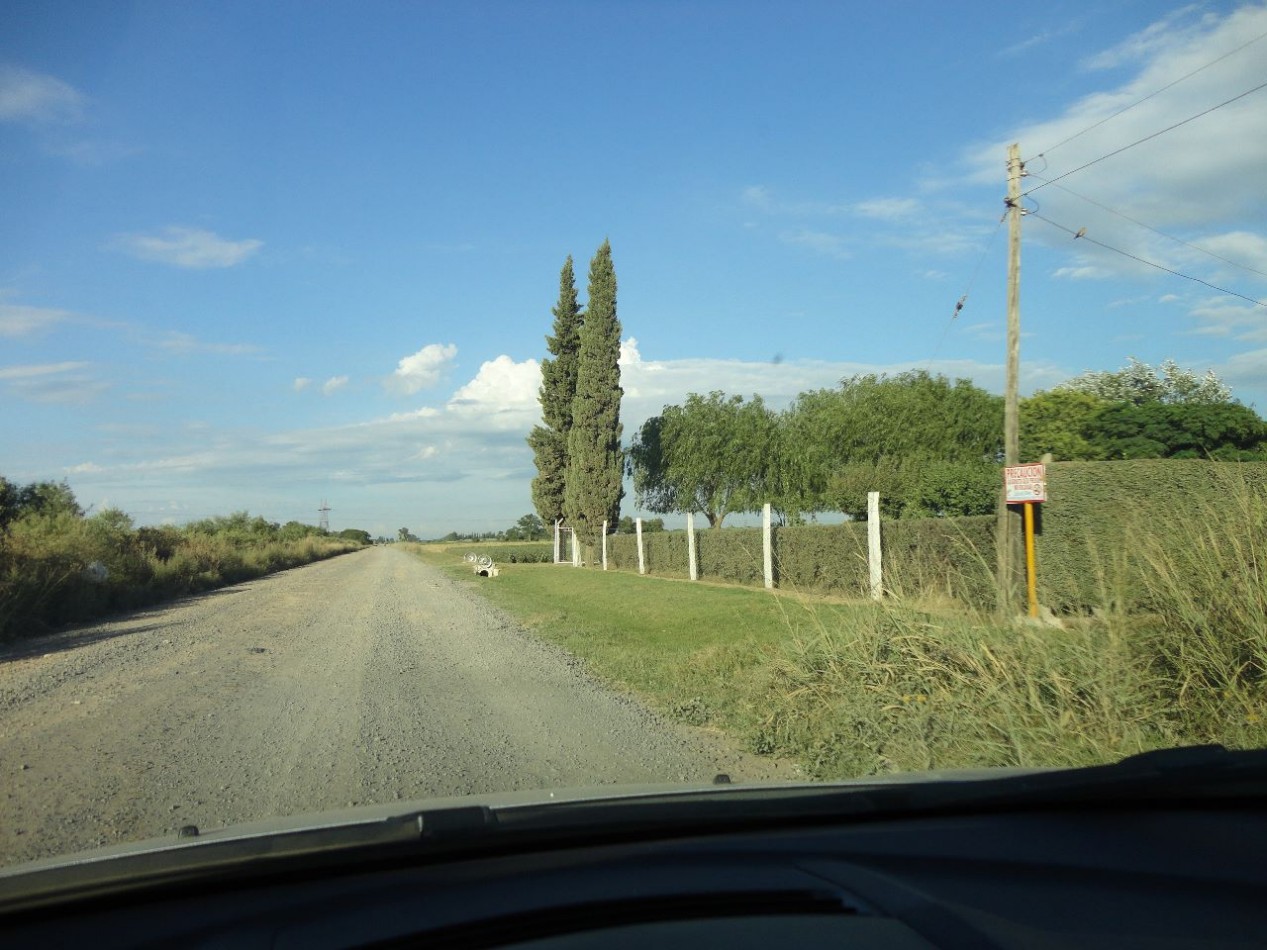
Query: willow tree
{"x":595,"y":462}
{"x":549,"y":440}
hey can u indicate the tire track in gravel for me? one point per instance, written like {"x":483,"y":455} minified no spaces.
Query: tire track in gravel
{"x":365,"y":679}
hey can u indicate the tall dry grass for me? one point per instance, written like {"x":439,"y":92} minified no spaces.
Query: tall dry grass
{"x":62,"y":568}
{"x":901,"y":689}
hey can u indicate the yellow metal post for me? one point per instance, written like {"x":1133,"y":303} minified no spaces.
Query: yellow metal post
{"x":1030,"y":569}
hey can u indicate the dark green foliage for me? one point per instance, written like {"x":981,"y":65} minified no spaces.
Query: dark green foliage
{"x":1140,"y":413}
{"x":48,"y":498}
{"x":527,"y":528}
{"x":922,"y":488}
{"x":354,"y":534}
{"x":715,"y":455}
{"x":1226,"y":432}
{"x":549,"y":441}
{"x":834,"y":439}
{"x":595,"y":460}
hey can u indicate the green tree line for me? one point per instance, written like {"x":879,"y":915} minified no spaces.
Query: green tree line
{"x":929,"y":445}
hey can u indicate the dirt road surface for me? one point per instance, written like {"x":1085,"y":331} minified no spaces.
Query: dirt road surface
{"x":365,"y":679}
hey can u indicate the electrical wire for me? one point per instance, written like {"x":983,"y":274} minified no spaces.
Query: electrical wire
{"x":1146,"y":138}
{"x":1081,"y":234}
{"x":1155,"y":92}
{"x":959,"y":305}
{"x":1146,"y":227}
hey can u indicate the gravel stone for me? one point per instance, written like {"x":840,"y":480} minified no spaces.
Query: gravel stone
{"x":381,"y":678}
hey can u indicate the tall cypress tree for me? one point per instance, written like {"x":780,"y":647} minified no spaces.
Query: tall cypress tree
{"x":549,"y":441}
{"x":595,"y":462}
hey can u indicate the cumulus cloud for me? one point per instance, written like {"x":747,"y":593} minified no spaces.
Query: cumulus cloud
{"x":333,"y":385}
{"x":629,"y":354}
{"x":423,"y":369}
{"x":34,"y":97}
{"x":301,"y":383}
{"x":501,"y":387}
{"x":192,"y":248}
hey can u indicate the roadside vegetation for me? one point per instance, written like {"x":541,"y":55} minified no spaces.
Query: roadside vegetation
{"x":851,"y":688}
{"x":60,"y":565}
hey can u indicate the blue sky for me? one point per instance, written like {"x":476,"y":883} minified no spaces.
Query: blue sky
{"x":256,"y":255}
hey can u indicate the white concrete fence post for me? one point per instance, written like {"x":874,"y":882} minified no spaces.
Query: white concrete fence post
{"x":767,"y":547}
{"x":576,"y":550}
{"x":873,"y":545}
{"x":557,"y":541}
{"x":604,"y":545}
{"x":690,"y":546}
{"x":642,"y":560}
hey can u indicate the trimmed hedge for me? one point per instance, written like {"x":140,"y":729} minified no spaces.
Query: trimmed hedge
{"x":953,"y":556}
{"x":1090,"y":544}
{"x":542,"y":553}
{"x":1098,"y":514}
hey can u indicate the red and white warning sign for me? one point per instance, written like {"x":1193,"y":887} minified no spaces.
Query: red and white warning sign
{"x":1025,"y":484}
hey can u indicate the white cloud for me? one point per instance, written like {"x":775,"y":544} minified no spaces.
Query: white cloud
{"x":423,"y":369}
{"x":1249,"y":368}
{"x":1222,"y":316}
{"x":502,"y":388}
{"x":35,"y":97}
{"x":1245,"y":248}
{"x":192,"y":248}
{"x":185,"y":343}
{"x":761,"y":198}
{"x":1202,"y":182}
{"x":831,"y":245}
{"x":333,"y":385}
{"x":67,"y":383}
{"x":629,"y":354}
{"x":888,"y":209}
{"x":1161,"y":36}
{"x":1083,"y":272}
{"x":17,"y":320}
{"x":301,"y":383}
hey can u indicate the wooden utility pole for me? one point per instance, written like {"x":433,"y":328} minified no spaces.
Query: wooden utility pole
{"x":1011,"y":426}
{"x":1008,"y":537}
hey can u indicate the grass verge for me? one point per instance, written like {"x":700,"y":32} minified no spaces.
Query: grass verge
{"x":851,"y":689}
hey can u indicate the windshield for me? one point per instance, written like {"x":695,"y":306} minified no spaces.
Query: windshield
{"x":447,"y":399}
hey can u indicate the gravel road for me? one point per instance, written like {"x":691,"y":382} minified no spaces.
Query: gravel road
{"x":365,"y":679}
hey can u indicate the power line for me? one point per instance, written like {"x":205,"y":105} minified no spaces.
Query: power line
{"x":1081,"y":234}
{"x":1146,"y":227}
{"x":1155,"y":92}
{"x":1169,"y":128}
{"x":959,"y":305}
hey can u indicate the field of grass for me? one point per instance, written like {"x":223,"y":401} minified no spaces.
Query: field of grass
{"x":852,"y":689}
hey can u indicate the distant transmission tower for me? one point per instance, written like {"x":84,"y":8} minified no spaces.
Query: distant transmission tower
{"x":324,"y":511}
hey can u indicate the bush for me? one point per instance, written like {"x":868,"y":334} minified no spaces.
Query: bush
{"x":58,"y":567}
